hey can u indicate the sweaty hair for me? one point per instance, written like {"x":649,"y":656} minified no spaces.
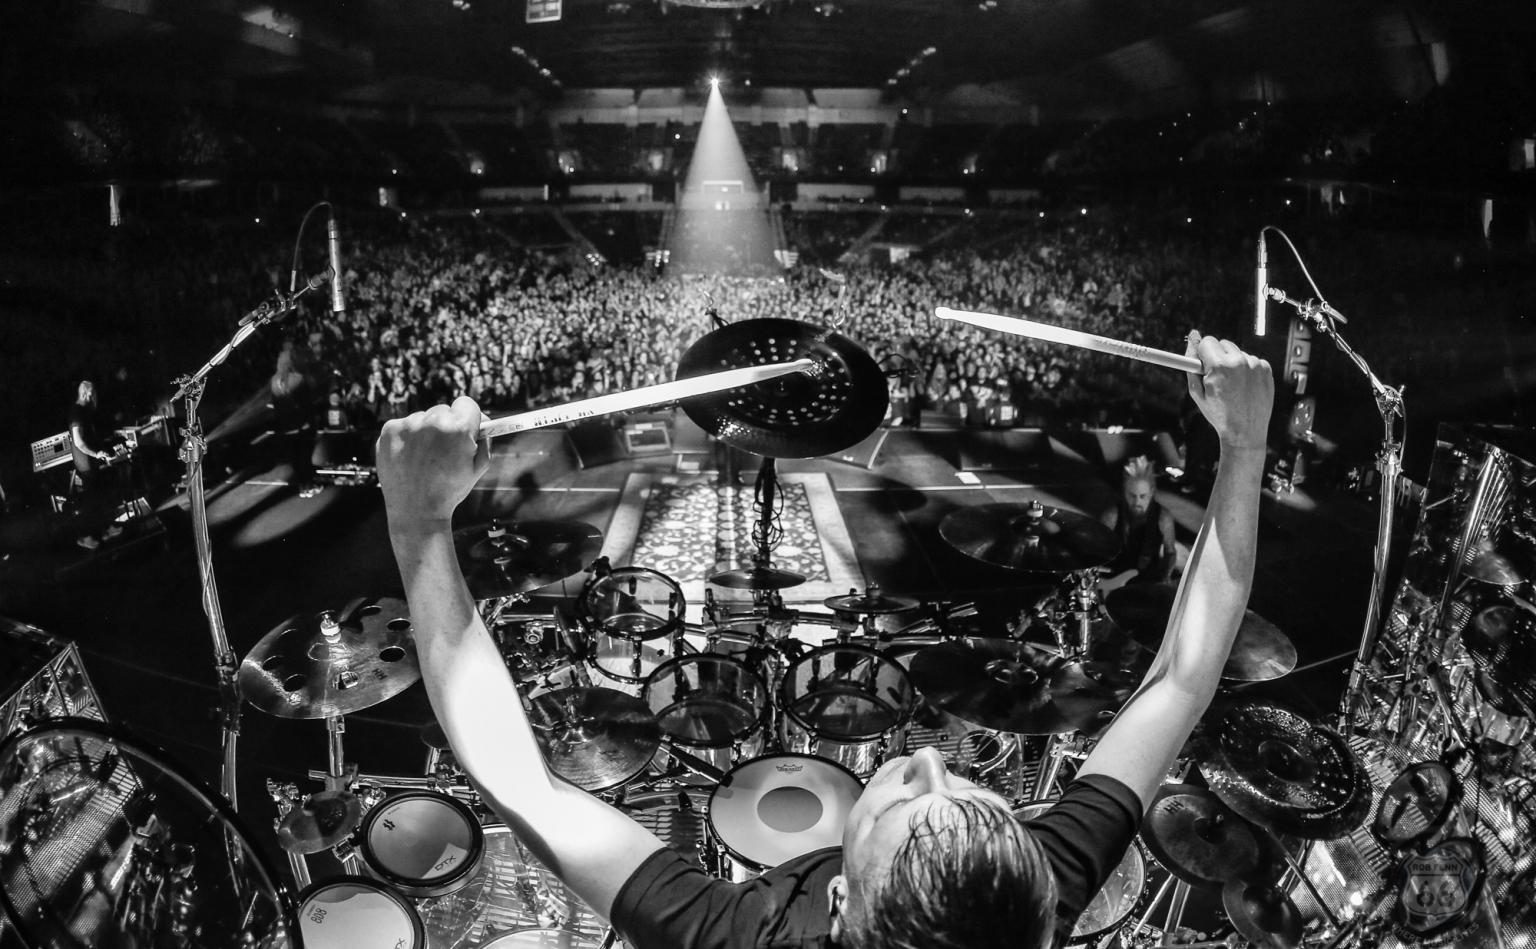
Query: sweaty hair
{"x":1140,"y":468}
{"x":974,"y":879}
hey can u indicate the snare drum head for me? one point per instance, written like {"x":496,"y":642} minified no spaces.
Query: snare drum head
{"x":848,"y":693}
{"x":353,"y":911}
{"x":541,"y":939}
{"x":1116,"y":900}
{"x":775,"y":808}
{"x":707,"y":700}
{"x":420,"y":838}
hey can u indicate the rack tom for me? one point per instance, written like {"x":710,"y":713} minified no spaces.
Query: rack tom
{"x":848,"y":704}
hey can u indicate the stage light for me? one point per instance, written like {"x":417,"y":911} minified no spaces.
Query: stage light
{"x":714,"y":82}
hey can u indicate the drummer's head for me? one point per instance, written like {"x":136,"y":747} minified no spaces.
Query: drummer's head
{"x":85,"y":393}
{"x":1138,"y":485}
{"x":932,"y":859}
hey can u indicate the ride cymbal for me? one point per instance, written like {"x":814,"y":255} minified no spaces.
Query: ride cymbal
{"x":1018,"y":687}
{"x":800,"y":415}
{"x":1030,"y":537}
{"x":503,"y":558}
{"x":332,"y":663}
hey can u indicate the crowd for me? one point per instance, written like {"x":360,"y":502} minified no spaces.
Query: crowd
{"x":449,"y":309}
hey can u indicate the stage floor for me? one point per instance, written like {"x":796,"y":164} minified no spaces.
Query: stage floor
{"x":136,"y":613}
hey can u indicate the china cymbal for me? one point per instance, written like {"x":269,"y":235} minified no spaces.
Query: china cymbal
{"x":504,"y":557}
{"x":1260,"y":652}
{"x":1263,"y":915}
{"x":332,"y":663}
{"x":757,"y":578}
{"x":1197,"y":838}
{"x":1029,"y":537}
{"x":870,"y":601}
{"x":322,"y":821}
{"x":594,"y":738}
{"x":800,"y":415}
{"x":1018,"y":687}
{"x":1285,"y":773}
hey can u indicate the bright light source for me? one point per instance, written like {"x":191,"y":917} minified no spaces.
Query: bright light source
{"x":1083,"y":211}
{"x":714,"y":82}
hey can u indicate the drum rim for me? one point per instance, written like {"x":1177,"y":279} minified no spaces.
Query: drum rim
{"x":593,"y":626}
{"x":425,"y":887}
{"x":1135,"y":846}
{"x":787,"y":701}
{"x":709,"y":812}
{"x":64,"y":725}
{"x":758,"y":724}
{"x":583,"y":940}
{"x":418,"y":929}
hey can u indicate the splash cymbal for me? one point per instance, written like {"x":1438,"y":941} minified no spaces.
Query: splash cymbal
{"x":872,"y":600}
{"x":506,"y":557}
{"x":1197,"y":838}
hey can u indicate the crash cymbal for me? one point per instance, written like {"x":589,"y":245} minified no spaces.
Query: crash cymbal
{"x":594,"y":738}
{"x":1030,"y":537}
{"x":334,"y":662}
{"x":1197,"y":838}
{"x":801,"y":415}
{"x":503,"y":558}
{"x":757,"y":578}
{"x":1415,"y":805}
{"x":1285,"y":773}
{"x":322,"y":821}
{"x":1018,"y":687}
{"x":1260,"y":652}
{"x":1263,"y":915}
{"x":870,"y":601}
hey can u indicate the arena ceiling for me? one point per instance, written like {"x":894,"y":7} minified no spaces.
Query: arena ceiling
{"x":1104,"y":51}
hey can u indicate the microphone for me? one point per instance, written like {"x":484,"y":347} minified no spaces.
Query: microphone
{"x":333,"y":239}
{"x":1261,"y":285}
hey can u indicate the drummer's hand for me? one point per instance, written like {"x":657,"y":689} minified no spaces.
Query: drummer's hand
{"x":1235,"y":392}
{"x":429,"y":461}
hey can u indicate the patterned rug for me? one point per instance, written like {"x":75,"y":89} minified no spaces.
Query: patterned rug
{"x":689,"y":529}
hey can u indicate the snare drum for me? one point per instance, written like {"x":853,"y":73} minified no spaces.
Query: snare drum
{"x":622,"y":612}
{"x":778,"y":807}
{"x":1116,"y":900}
{"x":422,"y":843}
{"x":846,"y":703}
{"x":713,"y":707}
{"x":353,"y":911}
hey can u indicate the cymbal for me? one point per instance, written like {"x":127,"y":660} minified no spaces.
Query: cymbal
{"x":1018,"y":687}
{"x":594,"y":738}
{"x":1492,"y":567}
{"x":801,"y":415}
{"x":322,"y":821}
{"x":1263,"y":915}
{"x":1260,"y":652}
{"x":870,"y":601}
{"x":757,"y":578}
{"x":333,"y":662}
{"x":1197,"y":838}
{"x":1285,"y":773}
{"x":1029,"y":537}
{"x":505,"y":557}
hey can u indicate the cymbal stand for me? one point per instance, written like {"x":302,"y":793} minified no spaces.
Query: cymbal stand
{"x":1177,"y":892}
{"x":1294,"y":868}
{"x":285,"y":797}
{"x":1058,"y":748}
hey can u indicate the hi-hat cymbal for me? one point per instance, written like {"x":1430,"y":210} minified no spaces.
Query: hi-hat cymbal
{"x":1197,"y":838}
{"x":594,"y":738}
{"x":1018,"y":687}
{"x":503,"y":558}
{"x":800,"y":415}
{"x":872,"y":600}
{"x":1030,"y":537}
{"x":322,"y":821}
{"x":1285,"y":773}
{"x":757,"y":578}
{"x":1264,"y":915}
{"x":1260,"y":652}
{"x":332,"y":663}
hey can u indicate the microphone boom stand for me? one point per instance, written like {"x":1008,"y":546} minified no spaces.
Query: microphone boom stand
{"x":193,"y":448}
{"x":1389,"y":464}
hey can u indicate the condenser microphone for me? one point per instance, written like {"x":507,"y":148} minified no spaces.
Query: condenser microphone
{"x":1261,"y":286}
{"x":333,"y":239}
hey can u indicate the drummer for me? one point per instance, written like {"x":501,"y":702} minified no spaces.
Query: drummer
{"x":927,"y":858}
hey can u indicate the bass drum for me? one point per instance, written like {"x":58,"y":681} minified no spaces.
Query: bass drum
{"x":510,"y":893}
{"x":1116,"y":900}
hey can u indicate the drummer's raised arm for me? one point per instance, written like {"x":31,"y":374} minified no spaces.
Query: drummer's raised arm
{"x":428,"y":463}
{"x":1235,"y":392}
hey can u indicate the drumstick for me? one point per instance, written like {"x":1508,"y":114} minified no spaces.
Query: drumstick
{"x":1059,"y":334}
{"x":642,"y":397}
